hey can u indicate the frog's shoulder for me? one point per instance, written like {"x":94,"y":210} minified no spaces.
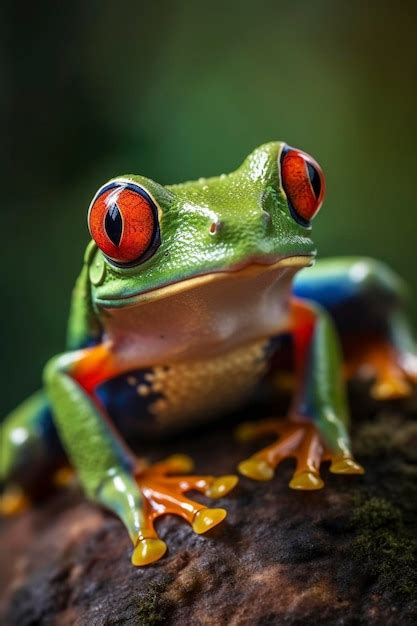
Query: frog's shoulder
{"x":84,"y":327}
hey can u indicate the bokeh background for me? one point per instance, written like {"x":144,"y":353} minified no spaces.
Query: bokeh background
{"x":181,"y":89}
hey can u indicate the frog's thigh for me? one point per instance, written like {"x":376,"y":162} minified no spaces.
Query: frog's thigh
{"x":366,"y":299}
{"x":30,"y":452}
{"x":359,"y":293}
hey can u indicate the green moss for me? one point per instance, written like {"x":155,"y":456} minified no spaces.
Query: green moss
{"x":152,"y":607}
{"x":384,"y":548}
{"x":376,"y":514}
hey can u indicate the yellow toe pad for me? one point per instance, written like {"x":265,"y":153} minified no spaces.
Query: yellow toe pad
{"x":246,"y":431}
{"x":13,"y":501}
{"x":346,"y":466}
{"x":256,"y":469}
{"x":221,"y":486}
{"x":307,"y":481}
{"x":147,"y":551}
{"x":180,"y":463}
{"x":206,"y":519}
{"x":392,"y":389}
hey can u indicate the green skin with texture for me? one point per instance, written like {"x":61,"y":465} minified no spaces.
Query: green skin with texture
{"x":253,"y":225}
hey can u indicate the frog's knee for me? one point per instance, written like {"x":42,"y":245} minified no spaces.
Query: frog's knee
{"x":354,"y":280}
{"x":28,"y":442}
{"x":370,"y":276}
{"x":55,"y":366}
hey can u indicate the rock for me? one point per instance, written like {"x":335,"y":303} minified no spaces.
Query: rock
{"x":343,"y":555}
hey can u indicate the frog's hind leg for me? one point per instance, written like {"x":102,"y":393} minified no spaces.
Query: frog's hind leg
{"x":389,"y":360}
{"x":316,"y":427}
{"x":366,"y":300}
{"x":30,"y":454}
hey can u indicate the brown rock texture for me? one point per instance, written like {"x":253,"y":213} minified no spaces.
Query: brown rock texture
{"x":345,"y":555}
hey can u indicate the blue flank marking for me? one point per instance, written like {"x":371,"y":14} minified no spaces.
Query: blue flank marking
{"x":126,"y":407}
{"x":46,"y":425}
{"x":328,"y":291}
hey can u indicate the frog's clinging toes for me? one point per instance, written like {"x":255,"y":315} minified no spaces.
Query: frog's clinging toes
{"x":177,"y":316}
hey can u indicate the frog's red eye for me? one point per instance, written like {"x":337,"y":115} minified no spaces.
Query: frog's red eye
{"x":123,"y":221}
{"x":303,"y":183}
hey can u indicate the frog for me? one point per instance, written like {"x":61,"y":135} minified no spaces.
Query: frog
{"x":187,"y":296}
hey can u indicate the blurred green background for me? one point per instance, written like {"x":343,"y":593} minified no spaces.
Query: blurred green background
{"x":183,"y":89}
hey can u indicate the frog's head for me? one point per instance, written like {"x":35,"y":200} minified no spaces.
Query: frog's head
{"x":152,"y":240}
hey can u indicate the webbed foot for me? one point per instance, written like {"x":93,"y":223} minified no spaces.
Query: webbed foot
{"x":163,"y":493}
{"x":13,"y":501}
{"x":394,"y":372}
{"x":299,"y":440}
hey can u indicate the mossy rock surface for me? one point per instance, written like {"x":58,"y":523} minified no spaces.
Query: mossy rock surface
{"x":345,"y":555}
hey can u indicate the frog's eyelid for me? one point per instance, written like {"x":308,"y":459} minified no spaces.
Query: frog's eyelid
{"x":122,"y":184}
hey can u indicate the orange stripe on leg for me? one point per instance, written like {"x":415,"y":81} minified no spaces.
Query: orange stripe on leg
{"x":94,"y":366}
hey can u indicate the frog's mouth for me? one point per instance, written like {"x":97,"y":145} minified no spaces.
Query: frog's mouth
{"x":249,"y":270}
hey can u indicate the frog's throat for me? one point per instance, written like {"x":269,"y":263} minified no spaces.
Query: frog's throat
{"x":249,"y":270}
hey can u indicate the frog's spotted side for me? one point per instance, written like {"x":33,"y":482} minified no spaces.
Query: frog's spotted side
{"x":181,"y":393}
{"x":177,"y":316}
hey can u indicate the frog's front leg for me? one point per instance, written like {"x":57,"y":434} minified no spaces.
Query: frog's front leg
{"x":316,"y":427}
{"x":109,"y":472}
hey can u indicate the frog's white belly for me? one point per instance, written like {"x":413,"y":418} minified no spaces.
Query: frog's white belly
{"x":202,"y":352}
{"x":201,"y":388}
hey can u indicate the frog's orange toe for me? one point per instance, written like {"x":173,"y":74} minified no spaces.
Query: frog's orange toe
{"x":302,"y":442}
{"x":64,"y":477}
{"x":391,"y":389}
{"x":13,"y":501}
{"x":395,"y":371}
{"x":164,"y":493}
{"x":174,"y":464}
{"x":246,"y":432}
{"x":148,"y":551}
{"x":205,"y":519}
{"x":180,"y":463}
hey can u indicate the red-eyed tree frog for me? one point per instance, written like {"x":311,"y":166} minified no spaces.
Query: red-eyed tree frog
{"x":184,"y":301}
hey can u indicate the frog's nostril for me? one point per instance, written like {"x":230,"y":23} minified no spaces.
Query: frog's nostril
{"x":214,"y":228}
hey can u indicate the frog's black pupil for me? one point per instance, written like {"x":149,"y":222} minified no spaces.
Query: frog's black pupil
{"x":114,"y":224}
{"x":314,"y":179}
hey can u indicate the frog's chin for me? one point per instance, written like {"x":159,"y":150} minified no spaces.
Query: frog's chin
{"x":251,"y":269}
